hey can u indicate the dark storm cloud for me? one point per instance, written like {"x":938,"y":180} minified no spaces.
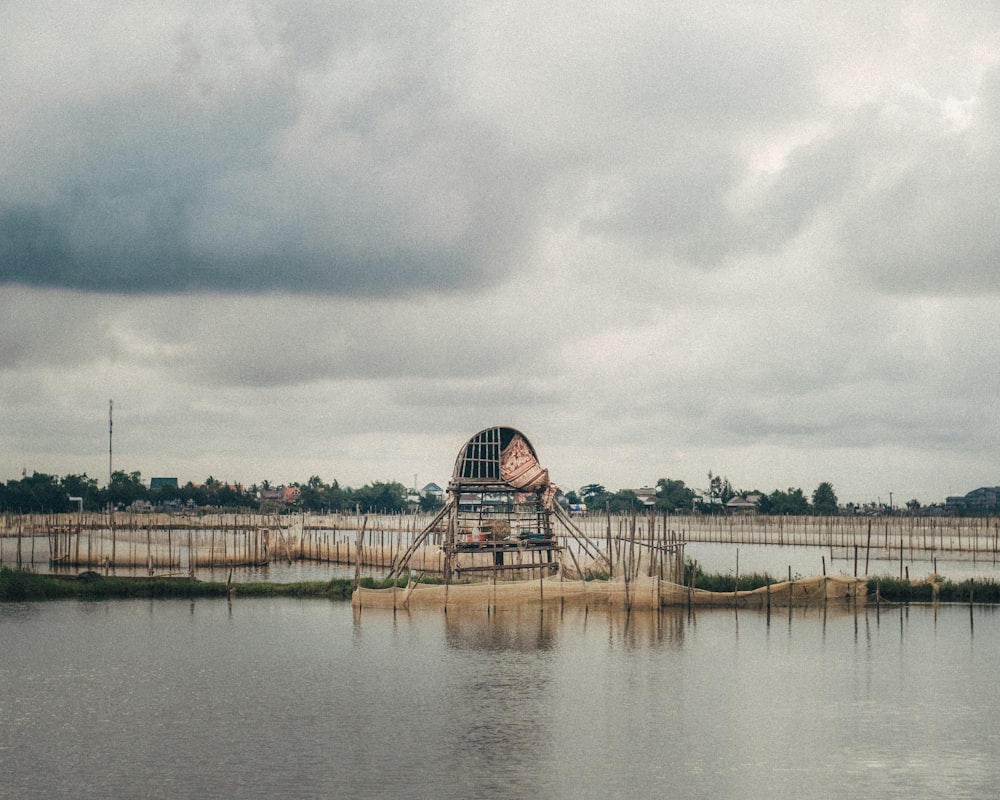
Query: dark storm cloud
{"x":358,"y":179}
{"x":136,"y":234}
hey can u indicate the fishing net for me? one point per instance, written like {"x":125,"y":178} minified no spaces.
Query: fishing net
{"x":639,"y":593}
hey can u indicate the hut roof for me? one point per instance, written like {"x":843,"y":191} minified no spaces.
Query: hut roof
{"x":479,"y":459}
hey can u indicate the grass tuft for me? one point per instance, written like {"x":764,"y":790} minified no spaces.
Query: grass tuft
{"x":894,"y":590}
{"x":715,"y":582}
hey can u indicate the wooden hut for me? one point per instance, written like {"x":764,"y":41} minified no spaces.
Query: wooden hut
{"x":498,"y":517}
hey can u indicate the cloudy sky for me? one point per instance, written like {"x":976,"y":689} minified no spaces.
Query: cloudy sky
{"x":338,"y":239}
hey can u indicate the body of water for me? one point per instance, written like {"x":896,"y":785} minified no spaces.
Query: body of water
{"x":806,"y":561}
{"x":301,"y":699}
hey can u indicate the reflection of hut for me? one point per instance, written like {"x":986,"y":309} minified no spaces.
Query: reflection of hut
{"x":500,"y":509}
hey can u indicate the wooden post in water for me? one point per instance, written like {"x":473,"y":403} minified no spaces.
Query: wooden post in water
{"x":360,"y":544}
{"x":868,"y":546}
{"x":736,"y":585}
{"x":629,"y":564}
{"x":659,"y":569}
{"x":611,"y":569}
{"x":541,"y":579}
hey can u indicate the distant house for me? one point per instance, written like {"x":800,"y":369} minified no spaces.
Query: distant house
{"x":745,"y":504}
{"x":432,"y":490}
{"x":983,"y":499}
{"x":646,"y":496}
{"x":286,"y":495}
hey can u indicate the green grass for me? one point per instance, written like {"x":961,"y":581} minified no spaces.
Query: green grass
{"x":24,"y":586}
{"x":714,"y":582}
{"x":21,"y":586}
{"x":894,"y":590}
{"x":18,"y":585}
{"x":891,"y":590}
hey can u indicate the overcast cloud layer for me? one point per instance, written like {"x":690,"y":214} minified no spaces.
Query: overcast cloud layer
{"x":297,"y":238}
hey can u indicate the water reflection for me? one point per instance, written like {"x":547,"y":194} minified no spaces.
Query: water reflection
{"x":508,"y":631}
{"x":536,"y":629}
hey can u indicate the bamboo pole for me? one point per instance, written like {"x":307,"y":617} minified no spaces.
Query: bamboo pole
{"x":357,"y":560}
{"x":868,"y":546}
{"x":736,"y":584}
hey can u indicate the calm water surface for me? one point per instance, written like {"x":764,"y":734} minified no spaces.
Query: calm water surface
{"x":284,"y":698}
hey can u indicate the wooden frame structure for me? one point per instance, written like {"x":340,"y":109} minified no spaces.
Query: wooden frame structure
{"x":500,"y":507}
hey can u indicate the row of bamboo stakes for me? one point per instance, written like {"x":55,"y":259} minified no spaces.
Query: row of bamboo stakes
{"x":632,"y":543}
{"x":919,"y":533}
{"x":155,"y":543}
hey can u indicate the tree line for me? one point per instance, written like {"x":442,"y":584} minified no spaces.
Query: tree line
{"x":41,"y":492}
{"x":673,"y":497}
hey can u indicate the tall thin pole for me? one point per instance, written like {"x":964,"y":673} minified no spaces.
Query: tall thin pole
{"x":111,"y":405}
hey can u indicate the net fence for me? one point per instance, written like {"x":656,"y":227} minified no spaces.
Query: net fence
{"x":640,"y":593}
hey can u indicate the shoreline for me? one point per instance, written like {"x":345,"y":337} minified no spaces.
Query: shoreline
{"x":25,"y":586}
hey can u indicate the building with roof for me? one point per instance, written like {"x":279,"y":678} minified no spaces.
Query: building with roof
{"x":985,"y":499}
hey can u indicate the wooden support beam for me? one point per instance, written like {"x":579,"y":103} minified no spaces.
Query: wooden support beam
{"x":418,"y":540}
{"x":552,"y":565}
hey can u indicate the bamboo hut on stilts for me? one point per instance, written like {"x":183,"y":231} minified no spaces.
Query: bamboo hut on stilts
{"x":498,"y":519}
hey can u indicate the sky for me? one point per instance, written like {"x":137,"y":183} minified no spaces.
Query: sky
{"x":660,"y":239}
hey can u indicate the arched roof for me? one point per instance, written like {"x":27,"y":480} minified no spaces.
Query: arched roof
{"x":479,"y":459}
